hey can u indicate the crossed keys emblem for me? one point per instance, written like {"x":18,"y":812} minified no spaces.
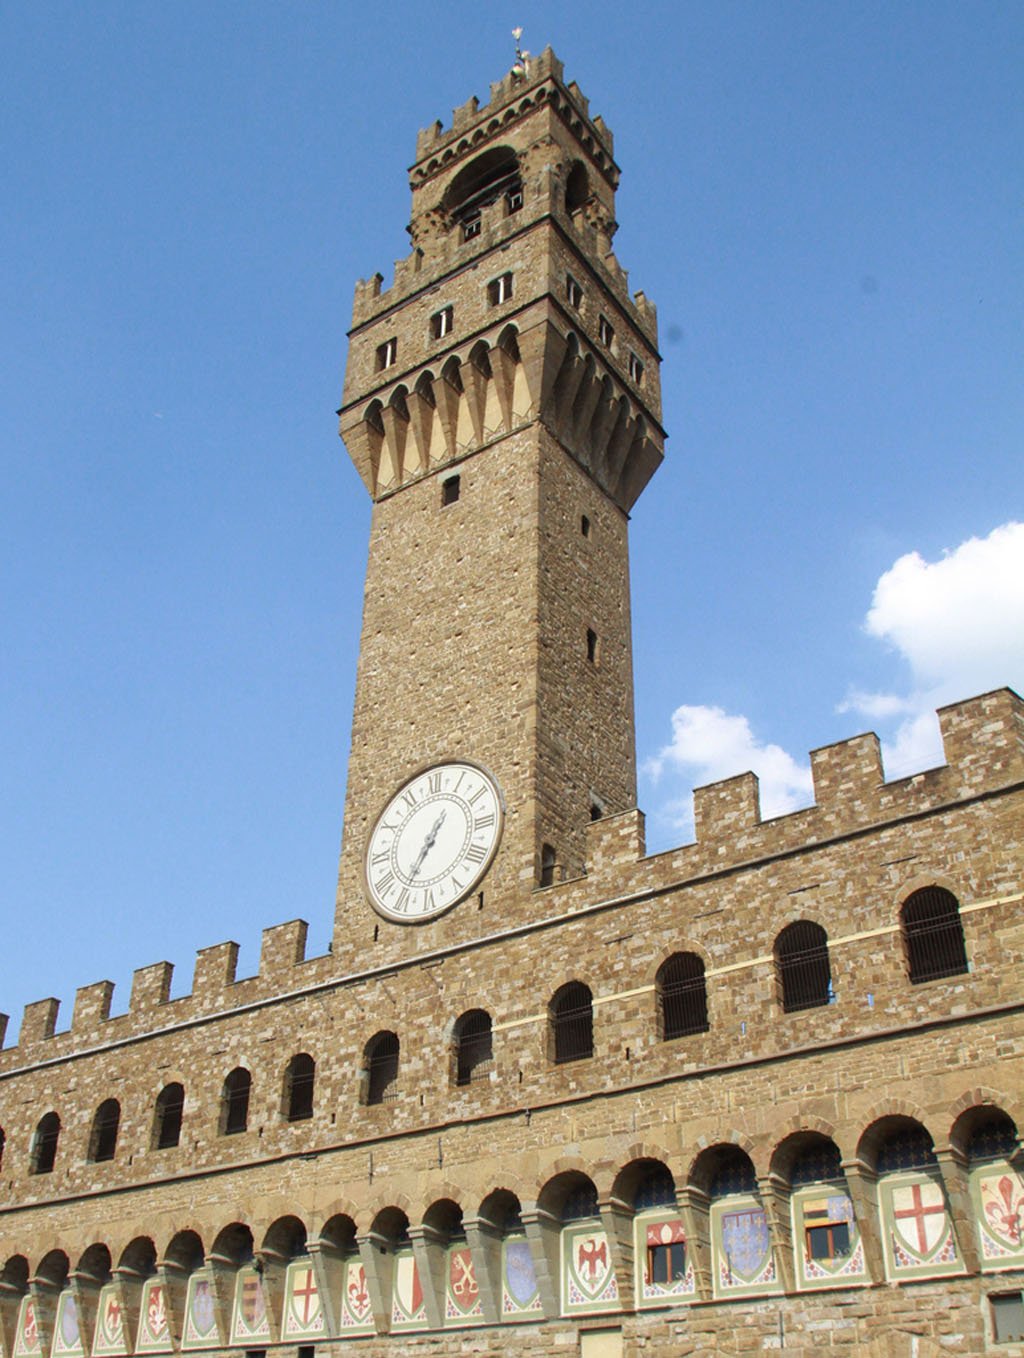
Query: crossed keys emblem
{"x":30,"y":1329}
{"x":464,"y":1286}
{"x":589,"y":1255}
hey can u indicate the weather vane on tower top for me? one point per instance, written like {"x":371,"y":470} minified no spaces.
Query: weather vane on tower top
{"x":522,"y":62}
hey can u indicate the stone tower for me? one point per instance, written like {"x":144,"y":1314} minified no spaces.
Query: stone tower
{"x":502,"y":407}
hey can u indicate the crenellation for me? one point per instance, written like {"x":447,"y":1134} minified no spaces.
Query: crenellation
{"x":464,"y":115}
{"x":92,"y":1006}
{"x":151,"y":987}
{"x":724,"y":808}
{"x":615,"y":839}
{"x":847,"y":776}
{"x":984,"y":736}
{"x":216,"y":968}
{"x":39,"y":1021}
{"x":283,"y":947}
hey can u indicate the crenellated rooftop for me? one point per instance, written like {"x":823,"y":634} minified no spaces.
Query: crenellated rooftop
{"x":983,"y":739}
{"x":432,"y":142}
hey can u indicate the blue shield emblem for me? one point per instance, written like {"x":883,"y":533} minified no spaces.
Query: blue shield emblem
{"x":745,"y":1241}
{"x":520,"y":1278}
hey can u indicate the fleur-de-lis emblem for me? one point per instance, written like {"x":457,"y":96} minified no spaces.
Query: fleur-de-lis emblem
{"x":357,"y":1293}
{"x":1005,"y":1215}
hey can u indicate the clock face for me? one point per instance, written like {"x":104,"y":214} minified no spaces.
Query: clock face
{"x":433,"y":842}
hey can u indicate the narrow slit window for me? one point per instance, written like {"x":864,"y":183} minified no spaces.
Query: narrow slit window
{"x":499,"y":289}
{"x":387,"y":354}
{"x":547,"y":865}
{"x":573,"y":292}
{"x":636,"y":369}
{"x":442,"y":322}
{"x":591,"y":645}
{"x":585,"y":526}
{"x":450,"y":489}
{"x":605,"y":331}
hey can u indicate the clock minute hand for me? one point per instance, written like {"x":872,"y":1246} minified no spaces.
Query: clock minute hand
{"x":428,"y":844}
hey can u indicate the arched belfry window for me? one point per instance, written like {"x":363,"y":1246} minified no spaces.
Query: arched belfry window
{"x":492,"y":175}
{"x":105,"y":1126}
{"x":474,"y":1047}
{"x":933,"y":935}
{"x":802,"y":966}
{"x":572,"y":1023}
{"x":577,"y":187}
{"x":682,"y":996}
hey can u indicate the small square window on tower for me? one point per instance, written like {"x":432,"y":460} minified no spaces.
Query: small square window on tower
{"x":605,"y":332}
{"x":471,"y":226}
{"x":387,"y":354}
{"x":636,"y":369}
{"x":441,"y":322}
{"x":499,"y":289}
{"x":514,"y":200}
{"x":450,"y":487}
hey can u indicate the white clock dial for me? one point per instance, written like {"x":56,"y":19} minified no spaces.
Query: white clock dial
{"x":433,"y":842}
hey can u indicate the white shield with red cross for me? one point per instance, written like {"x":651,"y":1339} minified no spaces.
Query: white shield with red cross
{"x":919,"y":1217}
{"x":303,"y":1308}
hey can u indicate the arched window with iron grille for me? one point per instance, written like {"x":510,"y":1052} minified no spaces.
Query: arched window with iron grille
{"x":933,"y":935}
{"x":105,"y":1126}
{"x":299,"y":1081}
{"x":572,"y":1023}
{"x":802,"y":966}
{"x":44,"y":1145}
{"x":474,"y":1047}
{"x":682,"y":996}
{"x":381,"y":1068}
{"x":234,"y":1102}
{"x":170,"y":1106}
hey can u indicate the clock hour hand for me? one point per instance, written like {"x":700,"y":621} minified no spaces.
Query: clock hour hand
{"x":428,"y":844}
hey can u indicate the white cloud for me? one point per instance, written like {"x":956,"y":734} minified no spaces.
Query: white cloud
{"x":959,"y":624}
{"x":709,"y":744}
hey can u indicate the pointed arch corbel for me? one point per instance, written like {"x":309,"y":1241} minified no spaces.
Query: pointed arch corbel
{"x":449,"y":402}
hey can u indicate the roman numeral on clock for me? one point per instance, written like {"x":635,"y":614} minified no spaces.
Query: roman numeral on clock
{"x":476,"y":853}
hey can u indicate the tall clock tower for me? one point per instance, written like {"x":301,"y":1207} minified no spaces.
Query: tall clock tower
{"x":502,"y":407}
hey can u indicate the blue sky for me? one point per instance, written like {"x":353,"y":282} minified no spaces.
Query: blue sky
{"x":824,"y":201}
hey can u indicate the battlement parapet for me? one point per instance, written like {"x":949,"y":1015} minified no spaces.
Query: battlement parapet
{"x":416,"y":271}
{"x":215,"y":988}
{"x":430,"y":140}
{"x":983,"y":740}
{"x":984,"y":746}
